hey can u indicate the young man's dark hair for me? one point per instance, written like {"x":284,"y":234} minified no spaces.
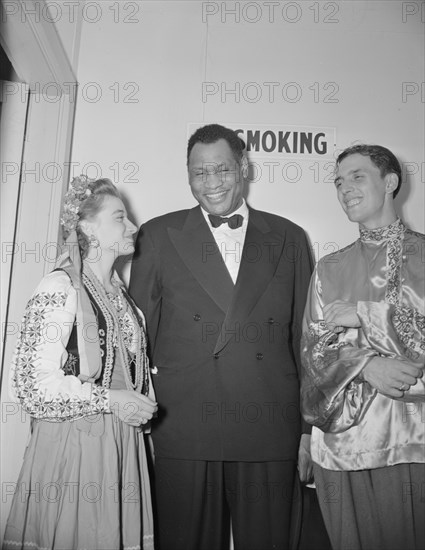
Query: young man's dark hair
{"x":381,"y":157}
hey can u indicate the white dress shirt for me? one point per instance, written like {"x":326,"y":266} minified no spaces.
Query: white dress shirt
{"x":230,"y":241}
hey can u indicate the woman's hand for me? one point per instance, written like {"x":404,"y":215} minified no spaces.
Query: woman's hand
{"x":131,"y":407}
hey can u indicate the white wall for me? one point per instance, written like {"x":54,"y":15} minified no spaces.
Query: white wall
{"x":141,"y":68}
{"x":367,"y":53}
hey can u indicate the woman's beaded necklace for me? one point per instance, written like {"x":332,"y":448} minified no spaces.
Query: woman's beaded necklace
{"x":127,"y":335}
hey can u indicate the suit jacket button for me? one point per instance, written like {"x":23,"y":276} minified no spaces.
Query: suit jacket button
{"x":260,"y":356}
{"x":216,"y":356}
{"x":196,"y":317}
{"x":271,"y":321}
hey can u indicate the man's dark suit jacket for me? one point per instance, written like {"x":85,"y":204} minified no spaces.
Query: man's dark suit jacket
{"x":226,"y":355}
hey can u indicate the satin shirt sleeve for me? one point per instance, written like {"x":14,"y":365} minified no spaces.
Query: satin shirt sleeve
{"x":37,"y":379}
{"x":396,"y":332}
{"x":333,"y":396}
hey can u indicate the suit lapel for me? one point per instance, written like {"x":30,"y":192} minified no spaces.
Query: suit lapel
{"x":197,"y":248}
{"x":261,"y":253}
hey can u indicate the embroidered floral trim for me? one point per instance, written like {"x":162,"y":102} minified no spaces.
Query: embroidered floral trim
{"x":28,"y":352}
{"x":147,"y":540}
{"x":140,"y":360}
{"x":394,"y":234}
{"x":410,"y":327}
{"x":392,"y":231}
{"x":70,"y":365}
{"x":326,"y":347}
{"x":23,"y":544}
{"x":128,"y":332}
{"x":394,"y":265}
{"x":48,"y":299}
{"x":92,"y":285}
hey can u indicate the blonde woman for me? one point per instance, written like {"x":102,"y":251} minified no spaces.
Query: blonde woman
{"x":80,"y":370}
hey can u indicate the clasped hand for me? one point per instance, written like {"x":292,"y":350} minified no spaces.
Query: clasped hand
{"x":391,"y":377}
{"x":341,"y":314}
{"x":131,"y":407}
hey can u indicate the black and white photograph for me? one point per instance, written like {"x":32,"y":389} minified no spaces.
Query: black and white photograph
{"x":212,"y":275}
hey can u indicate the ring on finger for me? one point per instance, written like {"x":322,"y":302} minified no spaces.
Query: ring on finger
{"x":402,"y":387}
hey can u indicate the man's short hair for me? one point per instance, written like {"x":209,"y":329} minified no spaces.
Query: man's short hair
{"x":381,"y":157}
{"x":212,"y":133}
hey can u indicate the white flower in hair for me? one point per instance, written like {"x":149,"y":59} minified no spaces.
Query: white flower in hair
{"x":78,"y":191}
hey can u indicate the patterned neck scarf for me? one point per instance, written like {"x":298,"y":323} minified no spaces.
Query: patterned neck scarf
{"x":393,"y":231}
{"x":88,"y":348}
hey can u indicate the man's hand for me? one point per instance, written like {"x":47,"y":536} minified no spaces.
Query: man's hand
{"x":341,"y":314}
{"x":391,"y":377}
{"x":305,"y":464}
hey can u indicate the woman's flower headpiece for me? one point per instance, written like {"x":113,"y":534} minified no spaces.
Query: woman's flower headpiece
{"x":79,"y":190}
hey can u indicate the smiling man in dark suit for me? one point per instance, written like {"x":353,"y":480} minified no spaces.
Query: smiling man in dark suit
{"x":223,"y":288}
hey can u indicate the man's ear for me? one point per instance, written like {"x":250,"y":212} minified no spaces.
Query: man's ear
{"x":391,"y":182}
{"x":244,"y":166}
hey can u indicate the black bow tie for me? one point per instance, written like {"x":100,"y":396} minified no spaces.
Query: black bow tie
{"x":234,"y":221}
